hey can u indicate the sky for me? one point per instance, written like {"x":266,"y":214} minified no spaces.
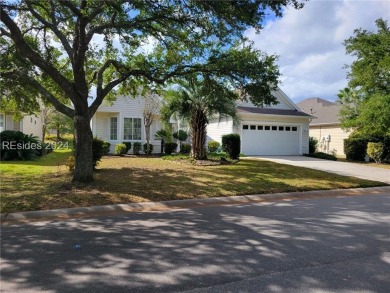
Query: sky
{"x":309,"y":43}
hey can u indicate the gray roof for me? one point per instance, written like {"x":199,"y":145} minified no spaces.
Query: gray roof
{"x":271,"y":111}
{"x":325,"y":112}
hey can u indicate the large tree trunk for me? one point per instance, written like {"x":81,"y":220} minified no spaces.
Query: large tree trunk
{"x":83,"y":149}
{"x":198,"y":135}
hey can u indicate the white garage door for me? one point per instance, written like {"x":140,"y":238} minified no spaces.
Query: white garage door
{"x":270,"y":140}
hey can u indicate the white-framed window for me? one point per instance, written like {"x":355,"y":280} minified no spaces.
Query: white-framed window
{"x":132,"y":128}
{"x":1,"y":122}
{"x":113,"y":128}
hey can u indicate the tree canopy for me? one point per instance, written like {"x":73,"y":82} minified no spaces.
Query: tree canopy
{"x":366,"y":101}
{"x":69,"y":51}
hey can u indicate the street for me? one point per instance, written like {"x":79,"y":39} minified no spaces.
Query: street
{"x":336,"y":244}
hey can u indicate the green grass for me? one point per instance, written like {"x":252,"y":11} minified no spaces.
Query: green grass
{"x":45,"y":183}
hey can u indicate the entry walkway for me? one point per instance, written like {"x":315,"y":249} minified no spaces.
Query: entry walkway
{"x":341,"y":168}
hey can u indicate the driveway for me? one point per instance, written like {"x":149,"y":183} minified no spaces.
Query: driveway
{"x":341,"y":168}
{"x":337,"y":244}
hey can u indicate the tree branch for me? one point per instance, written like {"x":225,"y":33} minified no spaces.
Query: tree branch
{"x":34,"y":57}
{"x":23,"y":76}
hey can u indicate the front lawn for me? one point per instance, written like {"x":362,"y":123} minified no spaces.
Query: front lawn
{"x":45,"y":183}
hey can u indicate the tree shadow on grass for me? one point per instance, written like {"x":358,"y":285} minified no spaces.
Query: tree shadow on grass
{"x":312,"y":242}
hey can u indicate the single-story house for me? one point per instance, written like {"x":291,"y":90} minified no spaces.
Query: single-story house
{"x":29,"y":124}
{"x":325,"y":126}
{"x":281,"y":129}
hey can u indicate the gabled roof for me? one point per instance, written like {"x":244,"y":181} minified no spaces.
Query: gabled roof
{"x":271,"y":111}
{"x":325,"y":112}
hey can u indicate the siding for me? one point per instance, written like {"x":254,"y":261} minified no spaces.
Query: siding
{"x":216,"y":129}
{"x":123,"y":107}
{"x":32,"y":124}
{"x":337,"y":136}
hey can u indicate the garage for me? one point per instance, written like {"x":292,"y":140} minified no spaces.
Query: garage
{"x":268,"y":140}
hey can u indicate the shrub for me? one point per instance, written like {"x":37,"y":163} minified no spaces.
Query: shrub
{"x":71,"y":163}
{"x":231,"y":144}
{"x":180,"y":135}
{"x":386,"y":150}
{"x":98,"y":150}
{"x":170,"y":147}
{"x":137,"y":148}
{"x":375,"y":151}
{"x":185,"y":148}
{"x":106,"y":148}
{"x":128,"y":145}
{"x":146,"y":148}
{"x":355,"y":149}
{"x":313,"y":144}
{"x":120,"y":149}
{"x":213,"y":146}
{"x":321,"y":155}
{"x":16,"y":145}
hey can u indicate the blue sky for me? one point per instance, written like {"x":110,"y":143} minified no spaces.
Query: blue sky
{"x":309,"y":43}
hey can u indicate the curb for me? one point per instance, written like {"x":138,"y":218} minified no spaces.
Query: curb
{"x":64,"y":214}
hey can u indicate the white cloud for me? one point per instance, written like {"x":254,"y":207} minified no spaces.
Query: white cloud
{"x":309,"y":43}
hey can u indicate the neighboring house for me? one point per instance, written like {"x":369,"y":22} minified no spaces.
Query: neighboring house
{"x":122,"y":121}
{"x":325,"y":125}
{"x":280,"y":129}
{"x":29,"y":124}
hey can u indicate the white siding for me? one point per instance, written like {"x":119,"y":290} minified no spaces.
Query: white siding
{"x":123,"y":107}
{"x":216,"y":129}
{"x":32,"y":124}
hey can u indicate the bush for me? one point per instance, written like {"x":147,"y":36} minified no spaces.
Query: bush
{"x":170,"y":147}
{"x":355,"y":149}
{"x":180,"y":135}
{"x":313,"y":145}
{"x":375,"y":151}
{"x":146,"y":148}
{"x":16,"y":145}
{"x":231,"y":144}
{"x":106,"y":148}
{"x":98,"y":150}
{"x":71,"y":163}
{"x":120,"y":149}
{"x":128,"y":145}
{"x":136,"y":148}
{"x":185,"y":148}
{"x":213,"y":146}
{"x":386,"y":150}
{"x":321,"y":155}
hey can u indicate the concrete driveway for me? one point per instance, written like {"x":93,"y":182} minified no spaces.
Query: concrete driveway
{"x":341,"y":168}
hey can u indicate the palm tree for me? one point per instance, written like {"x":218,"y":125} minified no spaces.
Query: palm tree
{"x":198,"y":100}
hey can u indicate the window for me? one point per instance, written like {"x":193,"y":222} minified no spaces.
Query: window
{"x":288,"y":128}
{"x":245,"y":127}
{"x":260,"y":127}
{"x":267,"y":127}
{"x":113,"y":128}
{"x":132,"y":129}
{"x":294,"y":128}
{"x":253,"y":127}
{"x":274,"y":128}
{"x":281,"y":128}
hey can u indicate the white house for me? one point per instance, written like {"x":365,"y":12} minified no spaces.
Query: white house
{"x":122,"y":121}
{"x":281,"y":129}
{"x":29,"y":124}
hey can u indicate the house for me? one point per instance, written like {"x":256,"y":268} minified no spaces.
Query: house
{"x":326,"y":125}
{"x":122,"y":121}
{"x":28,"y":124}
{"x":280,"y":129}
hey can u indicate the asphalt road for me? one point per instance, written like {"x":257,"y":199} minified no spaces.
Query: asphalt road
{"x":339,"y":244}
